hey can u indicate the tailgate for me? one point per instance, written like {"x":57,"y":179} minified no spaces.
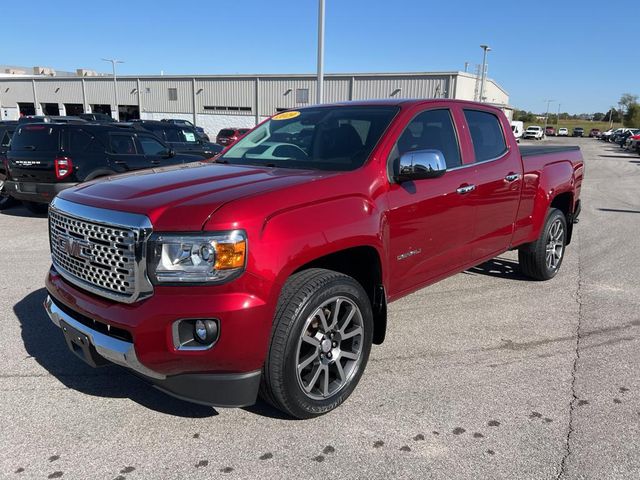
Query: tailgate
{"x":33,"y":151}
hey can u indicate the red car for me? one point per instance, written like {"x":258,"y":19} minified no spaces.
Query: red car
{"x":550,"y":132}
{"x":272,"y":269}
{"x":594,"y":132}
{"x":229,"y":136}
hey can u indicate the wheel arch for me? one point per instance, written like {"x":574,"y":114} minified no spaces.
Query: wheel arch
{"x":362,"y":263}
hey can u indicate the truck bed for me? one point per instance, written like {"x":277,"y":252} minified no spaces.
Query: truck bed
{"x":530,"y":150}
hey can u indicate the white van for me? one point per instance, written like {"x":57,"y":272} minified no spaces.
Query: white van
{"x":518,"y":129}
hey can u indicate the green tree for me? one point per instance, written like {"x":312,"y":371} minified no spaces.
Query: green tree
{"x":632,"y":116}
{"x":598,"y":117}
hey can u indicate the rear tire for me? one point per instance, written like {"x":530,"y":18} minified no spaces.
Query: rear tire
{"x":37,"y":208}
{"x":5,"y":200}
{"x":541,"y":259}
{"x":320,"y":345}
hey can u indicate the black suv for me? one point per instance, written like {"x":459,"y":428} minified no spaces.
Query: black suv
{"x":96,"y":117}
{"x":578,"y":132}
{"x":181,"y":138}
{"x":7,"y":128}
{"x":45,"y":158}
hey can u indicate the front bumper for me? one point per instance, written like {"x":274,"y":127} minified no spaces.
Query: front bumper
{"x":35,"y":192}
{"x":221,"y":389}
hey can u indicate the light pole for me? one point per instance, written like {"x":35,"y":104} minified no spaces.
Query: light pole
{"x":115,"y":83}
{"x":483,"y":74}
{"x":558,"y":118}
{"x":546,"y":117}
{"x":320,"y":51}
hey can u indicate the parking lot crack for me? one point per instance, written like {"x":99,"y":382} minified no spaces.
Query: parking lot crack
{"x":574,"y":370}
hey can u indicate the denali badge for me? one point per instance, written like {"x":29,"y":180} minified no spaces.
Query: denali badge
{"x":411,"y":253}
{"x":73,"y":247}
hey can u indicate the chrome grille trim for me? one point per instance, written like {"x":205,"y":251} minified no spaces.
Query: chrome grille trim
{"x":101,"y":251}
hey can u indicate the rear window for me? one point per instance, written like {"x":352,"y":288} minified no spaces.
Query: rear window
{"x":486,"y":135}
{"x":36,"y":137}
{"x":227,"y":133}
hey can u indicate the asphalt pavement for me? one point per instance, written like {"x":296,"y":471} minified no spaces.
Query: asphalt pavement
{"x":484,"y":375}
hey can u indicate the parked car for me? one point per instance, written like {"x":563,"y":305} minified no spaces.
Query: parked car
{"x":550,"y":131}
{"x":594,"y":133}
{"x":517,"y":127}
{"x":181,"y":138}
{"x":622,"y":139}
{"x":46,"y":158}
{"x":228,"y":136}
{"x":7,"y":128}
{"x":633,"y":143}
{"x":578,"y":132}
{"x":97,"y":117}
{"x":535,"y":132}
{"x":187,"y":123}
{"x":563,"y":132}
{"x":606,"y":135}
{"x":274,"y":273}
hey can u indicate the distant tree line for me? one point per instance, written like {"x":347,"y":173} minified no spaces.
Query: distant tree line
{"x":629,"y":111}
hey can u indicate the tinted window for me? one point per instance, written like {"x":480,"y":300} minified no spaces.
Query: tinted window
{"x":123,"y":145}
{"x":323,"y":138}
{"x":35,"y":137}
{"x":6,"y":137}
{"x":486,"y":135}
{"x":171,"y":135}
{"x":430,"y":130}
{"x":226,"y":133}
{"x":188,"y":135}
{"x":150,"y":146}
{"x":82,"y":141}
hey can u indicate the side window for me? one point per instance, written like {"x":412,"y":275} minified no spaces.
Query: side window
{"x":171,"y":135}
{"x":429,"y":130}
{"x":6,"y":139}
{"x":151,"y":146}
{"x":79,"y":140}
{"x":188,"y":136}
{"x":123,"y":144}
{"x":486,"y":135}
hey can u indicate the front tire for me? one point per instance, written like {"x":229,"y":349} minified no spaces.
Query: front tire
{"x":541,"y":259}
{"x":320,"y":345}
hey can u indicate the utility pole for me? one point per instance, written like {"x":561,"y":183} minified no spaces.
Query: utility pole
{"x":558,"y":119}
{"x":115,"y":83}
{"x":546,"y":117}
{"x":320,"y":52}
{"x":486,"y":49}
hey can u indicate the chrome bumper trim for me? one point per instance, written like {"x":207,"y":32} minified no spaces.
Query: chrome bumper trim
{"x":116,"y":351}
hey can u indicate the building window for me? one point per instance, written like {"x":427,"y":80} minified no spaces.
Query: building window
{"x":302,"y":95}
{"x":173,"y":94}
{"x":221,"y":108}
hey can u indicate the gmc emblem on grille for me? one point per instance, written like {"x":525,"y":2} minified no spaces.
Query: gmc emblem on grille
{"x":74,"y":247}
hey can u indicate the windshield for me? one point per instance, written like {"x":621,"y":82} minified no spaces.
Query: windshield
{"x":323,"y":138}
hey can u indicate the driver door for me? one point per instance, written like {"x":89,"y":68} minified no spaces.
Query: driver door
{"x":431,"y":221}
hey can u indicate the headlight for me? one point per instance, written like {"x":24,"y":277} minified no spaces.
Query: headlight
{"x":198,"y":258}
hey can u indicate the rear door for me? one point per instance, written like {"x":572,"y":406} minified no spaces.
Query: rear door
{"x":498,"y":172}
{"x":34,"y":147}
{"x":430,"y":221}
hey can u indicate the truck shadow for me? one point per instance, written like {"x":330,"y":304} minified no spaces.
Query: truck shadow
{"x":44,"y":342}
{"x":21,"y":211}
{"x":499,"y":267}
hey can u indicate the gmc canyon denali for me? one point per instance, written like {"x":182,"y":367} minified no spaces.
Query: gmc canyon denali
{"x":270,"y":271}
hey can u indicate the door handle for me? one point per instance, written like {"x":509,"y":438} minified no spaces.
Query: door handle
{"x":466,"y":189}
{"x":512,"y":177}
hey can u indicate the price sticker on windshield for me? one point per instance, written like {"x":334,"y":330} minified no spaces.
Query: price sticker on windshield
{"x":286,"y":115}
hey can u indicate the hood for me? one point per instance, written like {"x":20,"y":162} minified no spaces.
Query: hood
{"x":183,"y":197}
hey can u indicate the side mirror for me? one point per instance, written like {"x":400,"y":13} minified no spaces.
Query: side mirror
{"x":421,"y":164}
{"x":169,"y":153}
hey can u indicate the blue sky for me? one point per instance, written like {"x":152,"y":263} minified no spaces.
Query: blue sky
{"x":558,"y":50}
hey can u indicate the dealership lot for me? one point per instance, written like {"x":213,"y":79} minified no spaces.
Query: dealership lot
{"x":484,"y":375}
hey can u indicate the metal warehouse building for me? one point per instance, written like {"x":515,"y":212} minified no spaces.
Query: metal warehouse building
{"x":218,"y":101}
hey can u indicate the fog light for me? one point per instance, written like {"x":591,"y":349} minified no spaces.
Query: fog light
{"x":205,"y":331}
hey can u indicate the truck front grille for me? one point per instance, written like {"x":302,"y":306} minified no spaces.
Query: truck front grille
{"x":101,"y":257}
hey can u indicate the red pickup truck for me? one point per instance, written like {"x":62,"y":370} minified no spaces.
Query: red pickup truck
{"x":269,"y":271}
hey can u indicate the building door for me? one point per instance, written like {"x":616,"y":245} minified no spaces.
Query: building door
{"x":106,"y":109}
{"x":50,"y":109}
{"x":73,"y":109}
{"x":129,"y":112}
{"x":26,"y":109}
